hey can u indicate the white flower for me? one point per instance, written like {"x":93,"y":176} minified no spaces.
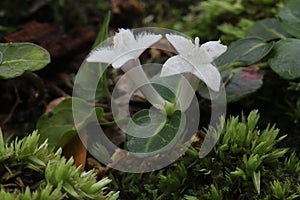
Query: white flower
{"x":125,"y":47}
{"x":195,"y":59}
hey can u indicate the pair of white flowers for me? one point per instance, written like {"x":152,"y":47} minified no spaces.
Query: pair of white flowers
{"x":192,"y":57}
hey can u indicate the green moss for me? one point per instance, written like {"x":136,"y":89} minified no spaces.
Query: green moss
{"x":29,"y":170}
{"x":246,"y":163}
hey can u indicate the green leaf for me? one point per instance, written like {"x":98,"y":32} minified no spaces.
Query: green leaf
{"x":1,"y":57}
{"x":151,"y":131}
{"x":58,"y":125}
{"x":102,"y":89}
{"x":86,"y":78}
{"x":103,"y":33}
{"x":2,"y":144}
{"x":168,"y":87}
{"x":164,"y":134}
{"x":245,"y":81}
{"x":256,"y":181}
{"x":20,"y":57}
{"x":267,"y":29}
{"x":285,"y":59}
{"x":290,"y":18}
{"x":247,"y":51}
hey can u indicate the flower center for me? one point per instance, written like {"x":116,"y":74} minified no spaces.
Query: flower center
{"x":197,"y":41}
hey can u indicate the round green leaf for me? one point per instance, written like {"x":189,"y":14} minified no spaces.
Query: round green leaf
{"x":285,"y":59}
{"x":167,"y":87}
{"x":87,"y":77}
{"x":245,"y":81}
{"x":267,"y":29}
{"x":290,"y":17}
{"x":162,"y":138}
{"x":248,"y":51}
{"x":58,"y":125}
{"x":20,"y":57}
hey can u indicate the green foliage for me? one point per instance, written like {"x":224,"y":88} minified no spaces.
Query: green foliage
{"x":58,"y":125}
{"x":230,"y":19}
{"x":48,"y":193}
{"x":29,"y":170}
{"x":240,"y":78}
{"x":167,"y":87}
{"x":268,"y":45}
{"x":245,"y":164}
{"x":162,"y":133}
{"x":1,"y":57}
{"x":248,"y":51}
{"x":283,"y":58}
{"x":286,"y":64}
{"x":103,"y":33}
{"x":245,"y":81}
{"x":267,"y":29}
{"x":16,"y":58}
{"x":290,"y":18}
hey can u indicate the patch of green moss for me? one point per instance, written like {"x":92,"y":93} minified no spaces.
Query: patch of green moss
{"x":29,"y":170}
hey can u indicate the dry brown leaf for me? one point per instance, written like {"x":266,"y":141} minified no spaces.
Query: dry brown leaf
{"x":76,"y":149}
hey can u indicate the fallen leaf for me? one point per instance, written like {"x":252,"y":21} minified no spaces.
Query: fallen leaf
{"x":76,"y":149}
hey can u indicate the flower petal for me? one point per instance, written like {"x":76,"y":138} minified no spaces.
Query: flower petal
{"x":180,"y":43}
{"x":102,"y":55}
{"x":214,"y":48}
{"x":199,"y":56}
{"x":144,"y":41}
{"x":124,"y":36}
{"x":176,"y":65}
{"x":122,"y":59}
{"x":210,"y":75}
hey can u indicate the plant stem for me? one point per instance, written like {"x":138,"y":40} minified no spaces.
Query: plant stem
{"x":188,"y":87}
{"x":240,"y":64}
{"x":141,"y":80}
{"x":262,"y":65}
{"x":230,"y":65}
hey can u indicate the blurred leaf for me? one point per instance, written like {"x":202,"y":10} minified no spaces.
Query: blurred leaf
{"x":103,"y":33}
{"x":58,"y":125}
{"x":89,"y":74}
{"x":235,"y":30}
{"x":102,"y":89}
{"x":167,"y":86}
{"x":186,"y":197}
{"x":150,"y":131}
{"x":1,"y":56}
{"x":245,"y":81}
{"x":247,"y":51}
{"x":267,"y":29}
{"x":164,"y":133}
{"x":20,"y":57}
{"x":285,"y":58}
{"x":290,"y":17}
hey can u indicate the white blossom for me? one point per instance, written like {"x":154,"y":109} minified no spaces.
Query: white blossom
{"x":195,"y":59}
{"x":125,"y":47}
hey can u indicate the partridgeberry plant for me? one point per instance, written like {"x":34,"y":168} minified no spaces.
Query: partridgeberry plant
{"x":192,"y":58}
{"x":170,"y":91}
